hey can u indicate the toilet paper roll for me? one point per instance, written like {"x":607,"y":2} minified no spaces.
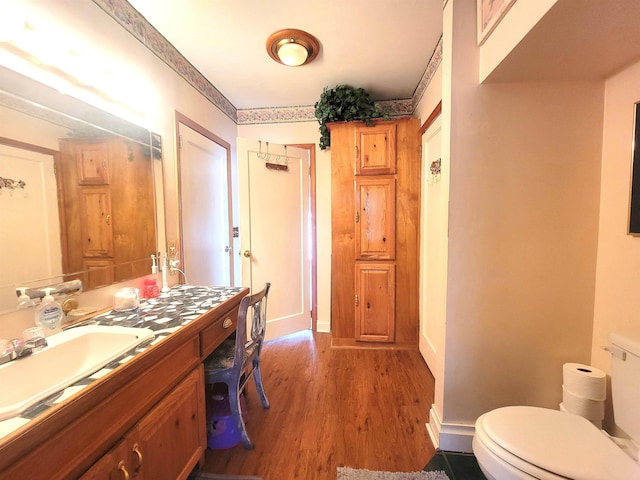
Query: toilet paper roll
{"x":597,"y":423}
{"x":592,"y":410}
{"x":585,"y":381}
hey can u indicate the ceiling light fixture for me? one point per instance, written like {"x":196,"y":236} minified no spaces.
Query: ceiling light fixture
{"x":292,"y":47}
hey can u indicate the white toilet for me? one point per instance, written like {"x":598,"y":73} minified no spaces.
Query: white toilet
{"x":540,"y":443}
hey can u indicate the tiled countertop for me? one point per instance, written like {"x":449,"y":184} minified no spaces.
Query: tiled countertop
{"x":164,"y":315}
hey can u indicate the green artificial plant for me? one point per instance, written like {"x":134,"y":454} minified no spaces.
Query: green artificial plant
{"x":344,"y":103}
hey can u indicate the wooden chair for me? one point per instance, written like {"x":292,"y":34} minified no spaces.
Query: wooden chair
{"x":237,"y":359}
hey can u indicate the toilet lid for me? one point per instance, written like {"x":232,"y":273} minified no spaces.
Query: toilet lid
{"x":558,"y":442}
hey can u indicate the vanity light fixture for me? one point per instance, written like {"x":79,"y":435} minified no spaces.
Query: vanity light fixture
{"x":292,"y":47}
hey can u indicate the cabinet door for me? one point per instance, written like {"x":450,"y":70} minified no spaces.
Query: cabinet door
{"x":93,"y":163}
{"x":96,"y":224}
{"x":375,"y":218}
{"x":167,"y":443}
{"x":114,"y":465}
{"x":375,"y":302}
{"x":98,"y":273}
{"x":172,"y":437}
{"x":376,"y":149}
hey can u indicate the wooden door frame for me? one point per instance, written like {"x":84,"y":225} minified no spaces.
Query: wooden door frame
{"x":311,"y":148}
{"x":430,"y":119}
{"x":188,"y":122}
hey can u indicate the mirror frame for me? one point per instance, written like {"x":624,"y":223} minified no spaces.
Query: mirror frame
{"x":634,"y":200}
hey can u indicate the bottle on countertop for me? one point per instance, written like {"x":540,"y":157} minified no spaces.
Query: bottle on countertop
{"x":151,"y":289}
{"x":49,"y":312}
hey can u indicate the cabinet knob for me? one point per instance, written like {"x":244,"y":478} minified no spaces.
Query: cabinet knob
{"x":136,"y":451}
{"x":246,"y":254}
{"x":227,"y":323}
{"x":123,"y":470}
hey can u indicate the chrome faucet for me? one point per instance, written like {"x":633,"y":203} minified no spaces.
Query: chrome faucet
{"x":19,"y":348}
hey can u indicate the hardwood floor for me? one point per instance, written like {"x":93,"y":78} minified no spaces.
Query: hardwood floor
{"x":333,"y":407}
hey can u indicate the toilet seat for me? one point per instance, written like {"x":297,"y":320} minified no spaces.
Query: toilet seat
{"x":549,"y":444}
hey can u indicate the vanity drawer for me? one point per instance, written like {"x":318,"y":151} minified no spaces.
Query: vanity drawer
{"x":212,"y":336}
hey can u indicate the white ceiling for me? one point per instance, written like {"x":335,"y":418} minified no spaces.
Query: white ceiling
{"x":383,"y":46}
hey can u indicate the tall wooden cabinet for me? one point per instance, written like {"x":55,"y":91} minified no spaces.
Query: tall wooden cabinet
{"x":375,"y":173}
{"x":108,"y":206}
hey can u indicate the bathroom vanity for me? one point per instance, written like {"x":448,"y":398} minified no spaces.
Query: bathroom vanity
{"x":141,"y":416}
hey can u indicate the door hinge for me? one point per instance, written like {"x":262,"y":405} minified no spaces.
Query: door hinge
{"x":357,"y":217}
{"x":357,"y":301}
{"x":180,"y":141}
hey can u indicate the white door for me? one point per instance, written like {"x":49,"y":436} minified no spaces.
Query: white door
{"x":433,"y":251}
{"x":205,"y":209}
{"x":275,"y":216}
{"x":29,"y":223}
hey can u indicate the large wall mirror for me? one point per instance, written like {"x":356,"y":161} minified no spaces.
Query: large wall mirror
{"x":81,"y":194}
{"x":634,"y":210}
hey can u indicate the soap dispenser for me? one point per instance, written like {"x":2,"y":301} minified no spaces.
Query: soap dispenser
{"x":49,"y":312}
{"x":24,"y":300}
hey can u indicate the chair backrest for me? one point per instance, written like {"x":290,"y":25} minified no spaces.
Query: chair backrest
{"x":253,"y":307}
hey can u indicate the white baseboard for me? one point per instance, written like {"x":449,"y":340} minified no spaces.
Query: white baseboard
{"x":324,"y":327}
{"x":452,"y":437}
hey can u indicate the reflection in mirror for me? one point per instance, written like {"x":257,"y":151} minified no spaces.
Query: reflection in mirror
{"x":78,"y":192}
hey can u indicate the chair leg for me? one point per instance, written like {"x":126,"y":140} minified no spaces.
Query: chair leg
{"x":257,"y":376}
{"x":236,"y":413}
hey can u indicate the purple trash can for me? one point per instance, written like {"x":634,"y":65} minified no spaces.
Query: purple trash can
{"x":221,"y":429}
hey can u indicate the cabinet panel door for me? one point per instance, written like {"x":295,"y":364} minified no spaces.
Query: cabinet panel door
{"x":96,"y":224}
{"x":93,"y":163}
{"x":172,"y":437}
{"x":376,"y":149}
{"x":375,"y":218}
{"x":98,"y":273}
{"x":375,"y":302}
{"x":114,"y":465}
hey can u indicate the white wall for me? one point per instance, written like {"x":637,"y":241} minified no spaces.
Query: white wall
{"x":617,"y":298}
{"x":524,"y":192}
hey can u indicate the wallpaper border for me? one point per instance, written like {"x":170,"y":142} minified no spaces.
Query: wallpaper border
{"x":138,"y":26}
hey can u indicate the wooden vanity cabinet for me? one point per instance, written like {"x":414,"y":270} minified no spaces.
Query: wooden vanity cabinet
{"x":166,"y":443}
{"x":147,"y":417}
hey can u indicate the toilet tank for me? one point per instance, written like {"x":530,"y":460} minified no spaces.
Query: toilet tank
{"x":625,"y":383}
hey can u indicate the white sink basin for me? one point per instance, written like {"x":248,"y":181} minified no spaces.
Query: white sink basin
{"x":70,"y":356}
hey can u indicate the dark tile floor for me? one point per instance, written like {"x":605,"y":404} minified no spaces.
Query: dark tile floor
{"x":457,"y":466}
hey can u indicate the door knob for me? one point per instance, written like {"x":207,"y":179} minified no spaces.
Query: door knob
{"x":247,"y":254}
